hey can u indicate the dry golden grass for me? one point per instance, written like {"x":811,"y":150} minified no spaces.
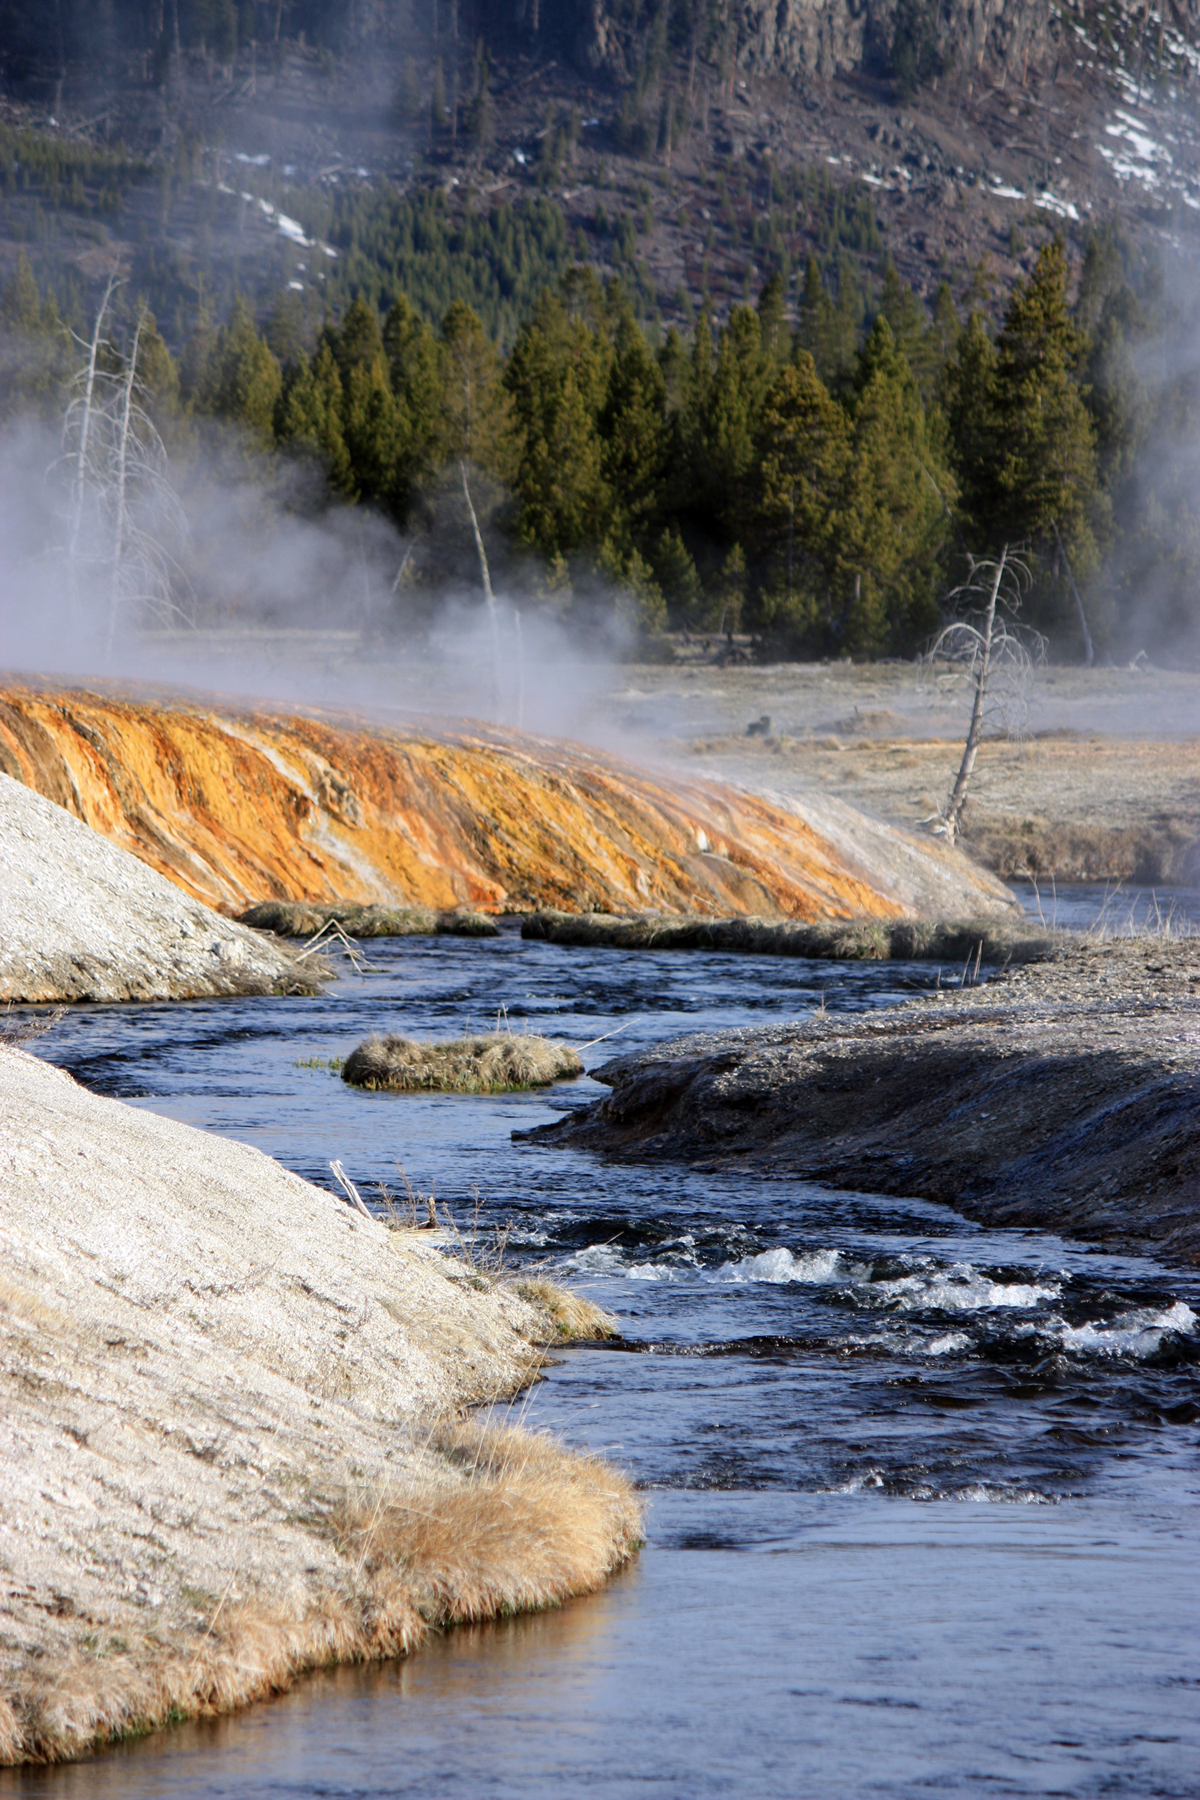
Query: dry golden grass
{"x":526,"y":1525}
{"x":496,"y":1062}
{"x":514,"y":1523}
{"x":570,"y":1314}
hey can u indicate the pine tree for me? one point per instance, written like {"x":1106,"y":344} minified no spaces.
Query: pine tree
{"x":634,"y":432}
{"x":676,"y":576}
{"x":945,"y":330}
{"x":476,"y":412}
{"x":370,"y":415}
{"x":241,"y":381}
{"x":157,"y":377}
{"x":892,"y":525}
{"x":775,"y":333}
{"x":476,"y":431}
{"x":34,"y":347}
{"x":557,"y":379}
{"x":309,"y":417}
{"x":414,"y":363}
{"x":904,"y":314}
{"x":819,"y":332}
{"x":800,"y":457}
{"x":1045,"y":456}
{"x":285,"y":329}
{"x":733,"y":408}
{"x":969,"y":400}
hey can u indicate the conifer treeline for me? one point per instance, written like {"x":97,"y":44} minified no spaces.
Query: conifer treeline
{"x":821,"y":492}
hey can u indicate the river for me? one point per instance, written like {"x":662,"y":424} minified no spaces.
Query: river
{"x":923,"y":1498}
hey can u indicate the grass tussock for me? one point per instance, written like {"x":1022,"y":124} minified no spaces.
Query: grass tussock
{"x":498,"y":1062}
{"x":524,"y":1526}
{"x":838,"y":940}
{"x":306,"y":919}
{"x":515,"y":1523}
{"x":571,"y":1316}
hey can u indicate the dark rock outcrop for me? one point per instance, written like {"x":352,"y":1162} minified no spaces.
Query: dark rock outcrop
{"x":816,"y":37}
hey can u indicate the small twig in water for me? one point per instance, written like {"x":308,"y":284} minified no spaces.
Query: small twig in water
{"x":605,"y":1035}
{"x":15,"y":1032}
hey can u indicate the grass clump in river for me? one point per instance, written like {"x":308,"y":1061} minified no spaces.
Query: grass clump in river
{"x":992,"y":939}
{"x":572,"y":1316}
{"x":497,"y":1062}
{"x":310,"y":918}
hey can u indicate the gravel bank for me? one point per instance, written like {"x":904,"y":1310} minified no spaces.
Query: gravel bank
{"x":1065,"y":1095}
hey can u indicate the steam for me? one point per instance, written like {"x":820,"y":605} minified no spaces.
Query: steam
{"x":280,"y":595}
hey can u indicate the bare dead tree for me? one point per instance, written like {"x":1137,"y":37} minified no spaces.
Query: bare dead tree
{"x":486,"y":575}
{"x":1089,"y":652}
{"x":122,"y":509}
{"x":985,"y":646}
{"x":121,"y":476}
{"x":78,"y":424}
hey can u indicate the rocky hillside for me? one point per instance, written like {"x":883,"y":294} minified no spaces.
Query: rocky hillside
{"x":238,"y":808}
{"x":647,"y":140}
{"x":82,"y":919}
{"x":820,"y":37}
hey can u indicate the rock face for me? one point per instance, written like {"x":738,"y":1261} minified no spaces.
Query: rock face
{"x":81,"y":919}
{"x":1066,"y":1097}
{"x":818,"y":37}
{"x":240,"y":809}
{"x":211,"y":1374}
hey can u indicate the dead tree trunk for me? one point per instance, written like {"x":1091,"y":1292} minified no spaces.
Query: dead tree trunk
{"x":1089,"y":654}
{"x":486,"y":573}
{"x":79,"y":483}
{"x":958,"y":795}
{"x":121,"y":482}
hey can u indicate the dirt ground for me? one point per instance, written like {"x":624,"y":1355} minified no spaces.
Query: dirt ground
{"x":1102,"y":783}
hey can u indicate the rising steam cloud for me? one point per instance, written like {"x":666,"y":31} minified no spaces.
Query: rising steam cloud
{"x":280,"y":595}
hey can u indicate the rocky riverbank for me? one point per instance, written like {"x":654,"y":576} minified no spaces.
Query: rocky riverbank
{"x":231,"y":1437}
{"x":1064,"y":1095}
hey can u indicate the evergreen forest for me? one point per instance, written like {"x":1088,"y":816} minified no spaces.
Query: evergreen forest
{"x":816,"y":476}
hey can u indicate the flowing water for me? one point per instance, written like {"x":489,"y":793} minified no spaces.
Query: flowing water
{"x":1113,"y":907}
{"x":923,"y":1498}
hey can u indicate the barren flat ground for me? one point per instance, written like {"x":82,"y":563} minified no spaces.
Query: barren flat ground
{"x":1102,"y":782}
